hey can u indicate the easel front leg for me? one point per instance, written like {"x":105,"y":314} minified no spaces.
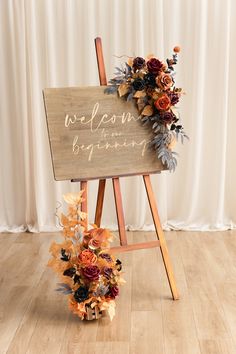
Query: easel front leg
{"x":119,"y":211}
{"x":161,"y":237}
{"x":100,"y":199}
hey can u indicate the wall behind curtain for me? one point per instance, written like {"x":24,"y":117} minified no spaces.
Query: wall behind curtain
{"x":48,"y":43}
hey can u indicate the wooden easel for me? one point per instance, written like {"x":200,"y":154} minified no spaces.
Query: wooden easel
{"x":124,"y":247}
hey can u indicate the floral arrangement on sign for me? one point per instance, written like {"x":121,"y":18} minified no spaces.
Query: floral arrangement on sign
{"x":151,"y":84}
{"x":89,"y":273}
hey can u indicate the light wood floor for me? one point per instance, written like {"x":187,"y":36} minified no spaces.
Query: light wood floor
{"x":34,"y":319}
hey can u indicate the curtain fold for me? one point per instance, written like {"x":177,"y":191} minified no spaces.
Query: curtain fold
{"x":51,"y":44}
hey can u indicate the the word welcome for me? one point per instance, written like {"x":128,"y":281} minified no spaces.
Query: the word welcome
{"x":95,"y":122}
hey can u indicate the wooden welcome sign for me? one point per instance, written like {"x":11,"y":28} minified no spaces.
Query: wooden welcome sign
{"x":95,"y":135}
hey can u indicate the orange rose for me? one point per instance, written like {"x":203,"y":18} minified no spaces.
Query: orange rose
{"x":87,"y":257}
{"x":163,"y":103}
{"x":164,"y":81}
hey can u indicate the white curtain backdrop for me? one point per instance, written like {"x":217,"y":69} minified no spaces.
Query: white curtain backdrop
{"x":50,"y":43}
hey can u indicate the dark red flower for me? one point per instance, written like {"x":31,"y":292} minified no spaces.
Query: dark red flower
{"x":114,"y":291}
{"x":154,"y":66}
{"x":167,"y":117}
{"x":174,"y":98}
{"x":138,"y":63}
{"x":91,"y":272}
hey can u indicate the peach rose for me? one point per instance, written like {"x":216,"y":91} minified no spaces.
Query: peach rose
{"x":163,"y":103}
{"x":164,"y":81}
{"x":98,"y":232}
{"x":86,"y":240}
{"x":95,"y":243}
{"x":87,"y":257}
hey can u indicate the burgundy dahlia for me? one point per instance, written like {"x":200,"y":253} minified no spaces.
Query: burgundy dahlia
{"x":138,"y":63}
{"x":154,"y":66}
{"x":167,"y":117}
{"x":174,"y":98}
{"x":114,"y":291}
{"x":91,"y":272}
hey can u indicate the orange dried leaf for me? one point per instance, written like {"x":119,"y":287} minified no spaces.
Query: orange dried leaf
{"x":55,"y":249}
{"x":57,"y":265}
{"x":64,"y":220}
{"x":130,"y":61}
{"x":74,"y":222}
{"x":67,"y":280}
{"x":94,"y":226}
{"x":147,"y":111}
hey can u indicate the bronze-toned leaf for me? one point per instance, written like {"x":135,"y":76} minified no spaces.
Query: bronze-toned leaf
{"x":141,"y":104}
{"x":148,"y":111}
{"x":155,"y":95}
{"x":139,"y":94}
{"x":172,"y":143}
{"x":123,"y":89}
{"x":130,"y":61}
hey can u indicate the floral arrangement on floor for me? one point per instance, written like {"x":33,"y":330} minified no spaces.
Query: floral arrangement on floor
{"x":89,"y":273}
{"x":151,"y":84}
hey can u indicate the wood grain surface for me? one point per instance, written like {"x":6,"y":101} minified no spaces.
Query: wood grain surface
{"x":34,"y":318}
{"x":95,"y":135}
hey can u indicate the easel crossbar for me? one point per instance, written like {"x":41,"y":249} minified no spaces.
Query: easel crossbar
{"x":136,"y":246}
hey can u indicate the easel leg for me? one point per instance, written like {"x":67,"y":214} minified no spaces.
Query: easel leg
{"x":84,"y":204}
{"x":161,"y":237}
{"x":119,"y":211}
{"x":103,"y":81}
{"x":100,"y":199}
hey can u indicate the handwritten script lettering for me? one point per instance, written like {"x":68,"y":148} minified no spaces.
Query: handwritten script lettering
{"x":105,"y":146}
{"x":95,"y":122}
{"x":99,"y":125}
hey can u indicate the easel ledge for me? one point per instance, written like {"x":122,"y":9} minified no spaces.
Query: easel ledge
{"x":124,"y":247}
